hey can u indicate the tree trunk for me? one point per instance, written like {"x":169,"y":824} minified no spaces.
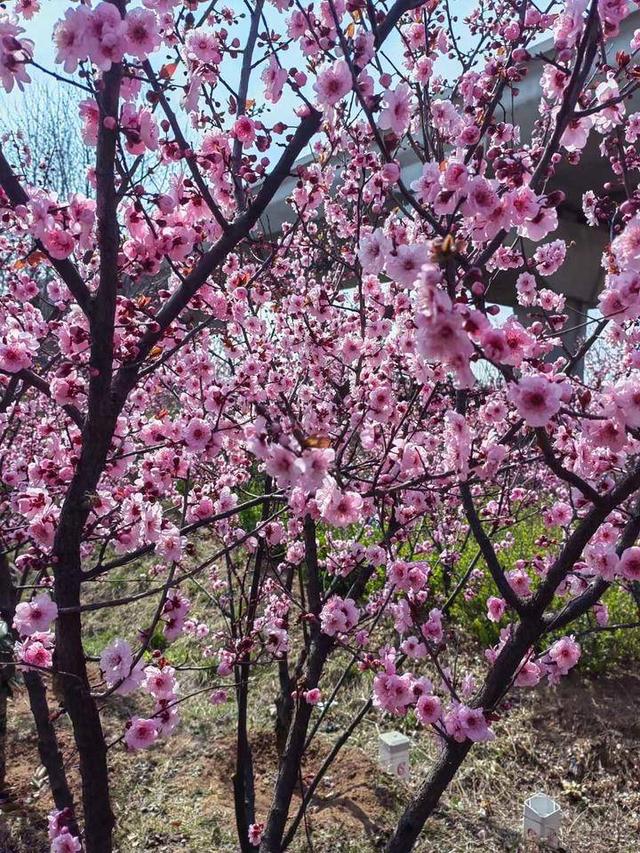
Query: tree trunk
{"x":494,"y":688}
{"x":4,"y":695}
{"x":284,"y":708}
{"x":425,"y":801}
{"x":97,"y":432}
{"x":7,"y":609}
{"x":80,"y":705}
{"x":48,"y":748}
{"x":289,"y":770}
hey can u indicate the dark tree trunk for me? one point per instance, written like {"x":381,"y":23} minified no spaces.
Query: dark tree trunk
{"x":497,"y":683}
{"x":69,"y":662}
{"x":284,"y":707}
{"x":7,"y":609}
{"x":288,"y":774}
{"x":48,"y":747}
{"x":426,"y":800}
{"x":4,"y":696}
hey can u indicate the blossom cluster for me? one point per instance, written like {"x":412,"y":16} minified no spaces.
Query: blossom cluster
{"x":321,"y":436}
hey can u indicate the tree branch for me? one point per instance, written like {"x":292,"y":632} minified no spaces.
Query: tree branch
{"x":236,"y":232}
{"x":184,"y":145}
{"x":488,"y":552}
{"x":67,"y":271}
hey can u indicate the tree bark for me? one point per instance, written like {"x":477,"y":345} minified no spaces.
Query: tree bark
{"x":425,"y":801}
{"x":496,"y":684}
{"x":4,"y":696}
{"x":292,"y":756}
{"x":102,"y":413}
{"x":48,"y":747}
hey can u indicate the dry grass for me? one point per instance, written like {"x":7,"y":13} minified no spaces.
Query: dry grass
{"x":578,"y":743}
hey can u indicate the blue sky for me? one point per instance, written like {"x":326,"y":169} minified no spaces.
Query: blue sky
{"x":40,"y":30}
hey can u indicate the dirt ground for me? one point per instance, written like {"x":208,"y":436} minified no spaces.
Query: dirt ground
{"x":578,"y":743}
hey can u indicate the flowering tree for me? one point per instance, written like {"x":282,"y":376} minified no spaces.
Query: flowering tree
{"x":279,"y":432}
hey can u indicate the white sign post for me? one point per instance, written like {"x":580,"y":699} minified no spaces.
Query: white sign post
{"x":394,"y":753}
{"x":542,"y":818}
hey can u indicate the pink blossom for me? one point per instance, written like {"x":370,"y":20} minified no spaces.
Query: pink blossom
{"x":601,"y":612}
{"x":627,"y":397}
{"x":204,"y":46}
{"x":405,"y":264}
{"x":116,"y":661}
{"x":577,"y":133}
{"x":15,"y":52}
{"x":312,"y":697}
{"x":140,"y":129}
{"x":396,"y":112}
{"x":273,"y":77}
{"x":373,"y":251}
{"x":218,"y":697}
{"x":36,"y":652}
{"x":57,"y":822}
{"x":413,"y":648}
{"x":161,"y":683}
{"x":526,"y":288}
{"x":65,"y":843}
{"x":141,"y":733}
{"x":392,"y":693}
{"x":166,"y":713}
{"x":244,"y":130}
{"x":603,"y":559}
{"x":524,"y":205}
{"x":90,"y":115}
{"x":333,"y":83}
{"x":14,"y":353}
{"x":529,"y":674}
{"x":629,"y":565}
{"x":106,"y":30}
{"x":338,"y":508}
{"x":464,"y":723}
{"x":35,"y":616}
{"x":27,"y":8}
{"x":481,"y":198}
{"x":339,"y":616}
{"x":225,"y":667}
{"x":169,"y":544}
{"x":276,"y":640}
{"x":141,"y":33}
{"x":609,"y":117}
{"x":197,"y":434}
{"x":519,"y":581}
{"x":537,"y":399}
{"x":550,"y":257}
{"x":282,"y":464}
{"x":315,"y":464}
{"x":561,"y":513}
{"x":59,"y":244}
{"x":428,"y":710}
{"x":255,"y":834}
{"x":495,"y":608}
{"x":298,"y":348}
{"x":432,"y":628}
{"x":565,"y":653}
{"x":71,"y":37}
{"x":440,"y":335}
{"x":543,"y":223}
